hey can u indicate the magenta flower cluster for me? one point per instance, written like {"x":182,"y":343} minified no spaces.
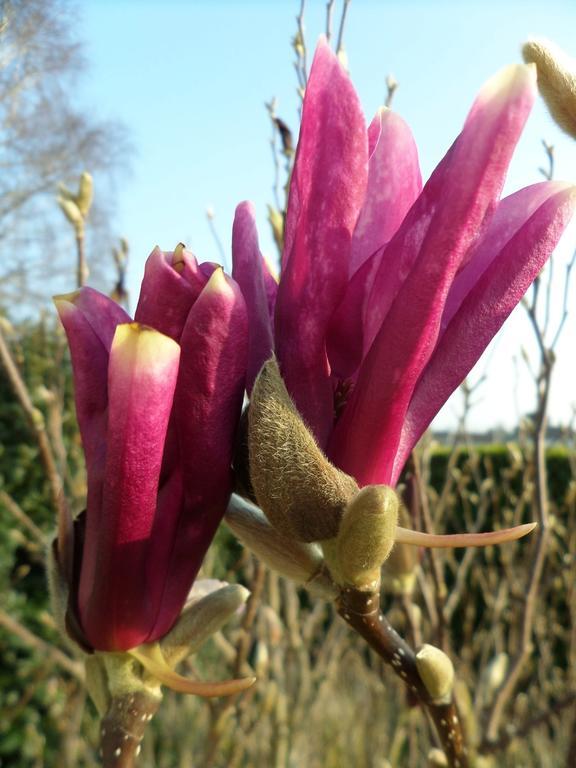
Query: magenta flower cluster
{"x":389,"y":293}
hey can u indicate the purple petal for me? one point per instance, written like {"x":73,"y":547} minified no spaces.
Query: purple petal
{"x":326,"y":193}
{"x":169,"y":289}
{"x":345,"y":339}
{"x":487,"y":305}
{"x":417,"y":270}
{"x":90,"y":320}
{"x":247,"y":271}
{"x":394,"y":183}
{"x":207,"y":408}
{"x":142,"y":373}
{"x":271,"y":285}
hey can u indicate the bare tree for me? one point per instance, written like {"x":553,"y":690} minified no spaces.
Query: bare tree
{"x":45,"y":139}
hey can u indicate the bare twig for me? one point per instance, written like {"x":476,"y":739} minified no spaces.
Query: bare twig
{"x":300,"y":48}
{"x":329,"y":12}
{"x":564,"y":316}
{"x":340,"y":43}
{"x":25,"y":521}
{"x":74,"y":668}
{"x":361,"y":610}
{"x":214,"y":232}
{"x":36,"y":423}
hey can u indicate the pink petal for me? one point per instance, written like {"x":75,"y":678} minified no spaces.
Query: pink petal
{"x":417,"y":270}
{"x":247,"y":271}
{"x":487,"y":305}
{"x":207,"y":408}
{"x":511,"y":214}
{"x":462,"y":191}
{"x":326,"y":193}
{"x":113,"y":600}
{"x":394,"y":183}
{"x":168,"y":291}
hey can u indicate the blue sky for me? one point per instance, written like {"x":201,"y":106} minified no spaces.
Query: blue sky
{"x":189,"y":79}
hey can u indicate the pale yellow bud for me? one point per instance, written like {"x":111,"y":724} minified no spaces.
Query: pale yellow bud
{"x":495,"y":673}
{"x":437,"y":758}
{"x":556,"y":81}
{"x":85,"y":194}
{"x":342,"y":57}
{"x":436,"y":672}
{"x":277,"y":224}
{"x":72,"y":212}
{"x":261,"y":658}
{"x":366,"y":534}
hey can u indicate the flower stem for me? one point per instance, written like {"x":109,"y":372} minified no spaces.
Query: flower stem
{"x":123,"y":728}
{"x":361,"y":610}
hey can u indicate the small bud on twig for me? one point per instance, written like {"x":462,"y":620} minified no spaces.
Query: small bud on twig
{"x":436,"y":671}
{"x":366,"y":534}
{"x":556,"y":81}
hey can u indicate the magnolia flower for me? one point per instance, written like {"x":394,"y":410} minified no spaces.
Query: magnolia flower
{"x":390,"y":292}
{"x":158,"y":402}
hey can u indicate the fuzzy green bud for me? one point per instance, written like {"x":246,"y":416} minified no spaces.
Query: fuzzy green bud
{"x":301,"y":493}
{"x":366,"y":534}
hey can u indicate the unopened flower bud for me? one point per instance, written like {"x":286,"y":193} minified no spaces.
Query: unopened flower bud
{"x":300,"y":491}
{"x":494,"y":674}
{"x":556,"y":81}
{"x":72,"y":212}
{"x":261,"y":658}
{"x":285,"y":136}
{"x":399,"y":571}
{"x":342,"y":57}
{"x":85,"y":194}
{"x":437,"y":758}
{"x":277,"y":224}
{"x":436,"y":671}
{"x":296,"y":560}
{"x":97,"y":682}
{"x":200,"y":619}
{"x":366,"y":534}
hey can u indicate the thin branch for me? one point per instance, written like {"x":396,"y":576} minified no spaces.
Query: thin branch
{"x":391,"y":88}
{"x":300,"y":48}
{"x":25,"y":521}
{"x":361,"y":610}
{"x":216,"y":237}
{"x":340,"y":43}
{"x":564,"y":316}
{"x":329,"y":12}
{"x":75,"y":668}
{"x":513,"y":733}
{"x":36,"y":424}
